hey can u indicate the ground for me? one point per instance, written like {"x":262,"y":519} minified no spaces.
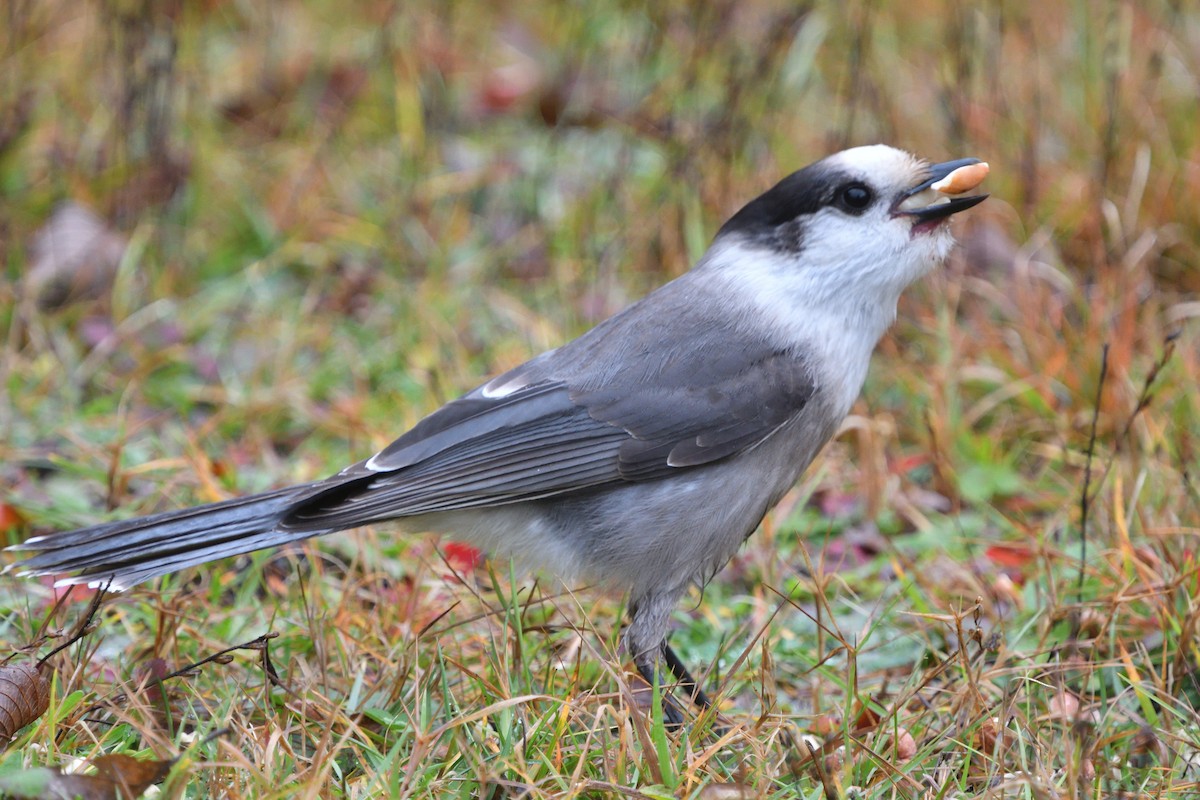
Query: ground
{"x":246,"y":244}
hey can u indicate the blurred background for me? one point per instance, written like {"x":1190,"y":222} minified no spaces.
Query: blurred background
{"x":247,"y":243}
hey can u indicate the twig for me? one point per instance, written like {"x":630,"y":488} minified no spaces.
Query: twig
{"x":1145,"y":397}
{"x":1085,"y":498}
{"x":221,"y":656}
{"x":83,"y":628}
{"x":254,"y":644}
{"x":268,"y":666}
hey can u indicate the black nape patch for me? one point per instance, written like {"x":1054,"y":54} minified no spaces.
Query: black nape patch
{"x":776,"y":217}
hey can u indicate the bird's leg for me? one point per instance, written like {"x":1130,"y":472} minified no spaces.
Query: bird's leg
{"x":647,"y":666}
{"x":686,"y":681}
{"x":643,"y":640}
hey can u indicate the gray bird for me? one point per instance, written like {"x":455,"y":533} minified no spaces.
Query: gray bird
{"x":642,"y":454}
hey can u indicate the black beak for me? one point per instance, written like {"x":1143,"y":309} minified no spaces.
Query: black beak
{"x":942,"y":210}
{"x":939,"y":171}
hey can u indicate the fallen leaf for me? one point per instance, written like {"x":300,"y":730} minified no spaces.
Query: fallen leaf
{"x":990,"y":732}
{"x":74,"y":255}
{"x":131,"y":775}
{"x":24,"y":697}
{"x":866,"y":718}
{"x":10,"y":518}
{"x":1010,"y":555}
{"x":463,"y":557}
{"x":118,"y":777}
{"x":47,"y":783}
{"x":824,"y":725}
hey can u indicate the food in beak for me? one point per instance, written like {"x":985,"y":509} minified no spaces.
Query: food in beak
{"x":963,"y":179}
{"x":943,"y":197}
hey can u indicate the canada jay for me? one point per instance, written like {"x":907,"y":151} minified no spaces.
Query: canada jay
{"x":643,"y":453}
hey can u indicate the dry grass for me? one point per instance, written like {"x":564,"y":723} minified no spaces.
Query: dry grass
{"x":338,"y":218}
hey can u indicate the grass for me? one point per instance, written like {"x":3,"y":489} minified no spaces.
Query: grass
{"x":339,"y":218}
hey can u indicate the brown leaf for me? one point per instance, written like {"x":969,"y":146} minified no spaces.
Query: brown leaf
{"x":824,"y":725}
{"x":118,"y":777}
{"x":991,"y":731}
{"x":74,"y":255}
{"x":47,"y":783}
{"x":10,"y":518}
{"x":131,"y":775}
{"x":866,"y":718}
{"x":24,"y":696}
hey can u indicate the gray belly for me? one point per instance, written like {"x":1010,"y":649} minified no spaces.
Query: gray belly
{"x":653,"y":534}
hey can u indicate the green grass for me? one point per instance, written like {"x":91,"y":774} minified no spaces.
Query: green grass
{"x":341,"y":217}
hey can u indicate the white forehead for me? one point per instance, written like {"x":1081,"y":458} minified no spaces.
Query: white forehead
{"x":883,"y":165}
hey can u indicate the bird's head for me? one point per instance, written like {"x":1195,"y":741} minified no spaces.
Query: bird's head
{"x":861,"y":224}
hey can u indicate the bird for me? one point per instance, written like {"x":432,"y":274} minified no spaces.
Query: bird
{"x":642,"y":454}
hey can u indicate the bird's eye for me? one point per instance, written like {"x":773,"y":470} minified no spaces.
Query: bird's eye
{"x":854,"y":198}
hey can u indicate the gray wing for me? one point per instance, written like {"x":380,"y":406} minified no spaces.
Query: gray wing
{"x":511,"y":441}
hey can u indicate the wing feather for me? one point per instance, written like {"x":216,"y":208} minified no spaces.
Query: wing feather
{"x":547,"y":437}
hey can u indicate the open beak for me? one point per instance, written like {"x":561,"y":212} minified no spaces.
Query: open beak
{"x":942,"y":193}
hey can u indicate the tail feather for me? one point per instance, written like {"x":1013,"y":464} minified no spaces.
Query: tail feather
{"x":125,"y":553}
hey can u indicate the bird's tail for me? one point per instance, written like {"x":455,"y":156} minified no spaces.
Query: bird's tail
{"x":122,"y":554}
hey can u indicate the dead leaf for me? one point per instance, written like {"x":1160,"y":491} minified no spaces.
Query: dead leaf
{"x":10,"y":518}
{"x":74,"y":255}
{"x":1010,"y":555}
{"x":990,"y":732}
{"x":463,"y":558}
{"x":118,"y":777}
{"x":867,"y":717}
{"x":131,"y":775}
{"x":24,"y":696}
{"x":47,"y":783}
{"x":824,"y":725}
